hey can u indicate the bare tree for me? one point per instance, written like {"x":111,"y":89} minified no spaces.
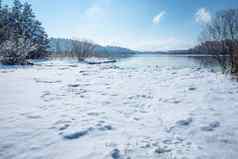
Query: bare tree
{"x":220,"y":38}
{"x":82,"y":49}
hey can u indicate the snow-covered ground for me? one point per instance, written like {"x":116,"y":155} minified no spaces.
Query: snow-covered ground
{"x":144,"y":107}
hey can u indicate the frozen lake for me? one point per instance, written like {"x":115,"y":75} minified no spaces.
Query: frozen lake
{"x":143,"y":107}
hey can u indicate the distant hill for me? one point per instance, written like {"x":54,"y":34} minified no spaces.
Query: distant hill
{"x":60,"y":45}
{"x":114,"y":51}
{"x":170,"y":52}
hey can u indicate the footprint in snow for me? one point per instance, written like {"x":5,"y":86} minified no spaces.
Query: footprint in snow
{"x":180,"y":123}
{"x":162,"y":150}
{"x":64,"y":127}
{"x":73,"y":85}
{"x":185,"y":122}
{"x":45,"y":93}
{"x":211,"y":127}
{"x":34,"y":116}
{"x":192,"y":89}
{"x":79,"y":134}
{"x":46,"y":81}
{"x":116,"y":154}
{"x":76,"y":135}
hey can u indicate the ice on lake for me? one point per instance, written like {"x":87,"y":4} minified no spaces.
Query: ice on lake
{"x":146,"y":106}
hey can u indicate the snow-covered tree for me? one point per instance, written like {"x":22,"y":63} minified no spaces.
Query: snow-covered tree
{"x":4,"y":23}
{"x":22,"y":35}
{"x":34,"y":31}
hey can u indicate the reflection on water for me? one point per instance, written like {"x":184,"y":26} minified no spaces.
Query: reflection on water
{"x":180,"y":61}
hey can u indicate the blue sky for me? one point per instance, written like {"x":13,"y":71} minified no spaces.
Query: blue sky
{"x":137,"y":24}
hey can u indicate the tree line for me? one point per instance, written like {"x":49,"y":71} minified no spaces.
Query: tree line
{"x":22,"y":36}
{"x":72,"y":48}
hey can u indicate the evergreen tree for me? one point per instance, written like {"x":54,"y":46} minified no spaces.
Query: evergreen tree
{"x":16,"y":19}
{"x":33,"y":30}
{"x":21,"y":34}
{"x":4,"y":22}
{"x":40,"y":41}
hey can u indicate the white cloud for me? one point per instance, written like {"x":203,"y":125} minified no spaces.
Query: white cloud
{"x":94,"y":11}
{"x":98,"y":9}
{"x":157,"y":18}
{"x":203,"y":16}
